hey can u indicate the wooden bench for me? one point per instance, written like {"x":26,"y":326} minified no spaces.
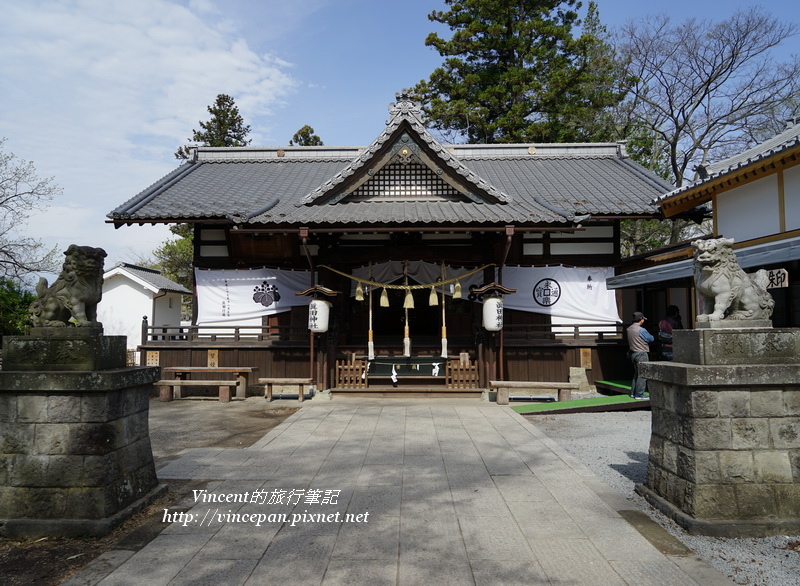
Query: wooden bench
{"x":171,"y":388}
{"x":270,"y":382}
{"x":238,"y":372}
{"x":506,"y":387}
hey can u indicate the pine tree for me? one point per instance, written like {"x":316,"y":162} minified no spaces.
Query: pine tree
{"x":514,"y":72}
{"x":305,"y":137}
{"x":226,"y":128}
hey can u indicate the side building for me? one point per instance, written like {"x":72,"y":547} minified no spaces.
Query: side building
{"x":133,"y":295}
{"x":755,"y":200}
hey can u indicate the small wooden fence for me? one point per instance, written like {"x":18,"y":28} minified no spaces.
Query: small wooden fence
{"x":462,"y":374}
{"x":351,"y":374}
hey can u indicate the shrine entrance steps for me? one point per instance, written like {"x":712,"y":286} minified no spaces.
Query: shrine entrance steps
{"x":407,"y":391}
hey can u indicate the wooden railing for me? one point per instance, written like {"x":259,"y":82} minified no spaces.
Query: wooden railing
{"x":600,"y":332}
{"x":220,"y":333}
{"x":542,"y":333}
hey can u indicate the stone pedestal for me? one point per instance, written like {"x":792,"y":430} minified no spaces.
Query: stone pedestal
{"x":725,"y":444}
{"x":74,"y":443}
{"x":49,"y":349}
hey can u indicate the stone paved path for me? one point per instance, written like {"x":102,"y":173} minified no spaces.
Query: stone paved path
{"x":442,"y":492}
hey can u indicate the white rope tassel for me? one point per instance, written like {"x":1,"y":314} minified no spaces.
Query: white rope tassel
{"x":444,"y":313}
{"x":370,"y":343}
{"x":433,"y":299}
{"x":406,"y":347}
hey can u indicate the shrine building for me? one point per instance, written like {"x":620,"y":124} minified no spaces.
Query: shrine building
{"x":404,"y":265}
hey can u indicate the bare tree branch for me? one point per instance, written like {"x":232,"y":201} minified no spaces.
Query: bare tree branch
{"x":701,"y":85}
{"x":22,"y":192}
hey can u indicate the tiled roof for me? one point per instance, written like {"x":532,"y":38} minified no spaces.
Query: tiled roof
{"x":788,"y":139}
{"x":295,"y":186}
{"x":405,"y":111}
{"x":152,"y":277}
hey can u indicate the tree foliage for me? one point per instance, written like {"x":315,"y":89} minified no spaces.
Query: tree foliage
{"x":22,"y":192}
{"x":226,"y":128}
{"x":681,"y":95}
{"x":174,"y":258}
{"x":14,"y":304}
{"x":305,"y":137}
{"x":514,"y":72}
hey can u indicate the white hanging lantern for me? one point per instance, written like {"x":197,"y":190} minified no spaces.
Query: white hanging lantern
{"x":318,"y":315}
{"x":493,"y":314}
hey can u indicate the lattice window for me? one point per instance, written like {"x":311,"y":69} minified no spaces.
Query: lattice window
{"x":410,"y":180}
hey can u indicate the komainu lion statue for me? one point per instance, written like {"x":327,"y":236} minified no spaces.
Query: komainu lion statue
{"x":726,"y":290}
{"x":75,"y":293}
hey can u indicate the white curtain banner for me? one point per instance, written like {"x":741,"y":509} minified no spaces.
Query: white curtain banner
{"x":236,"y":295}
{"x":569,"y":293}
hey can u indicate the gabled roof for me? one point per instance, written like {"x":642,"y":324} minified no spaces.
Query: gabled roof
{"x":149,"y":278}
{"x":363,"y":187}
{"x":720,"y":175}
{"x":406,"y":138}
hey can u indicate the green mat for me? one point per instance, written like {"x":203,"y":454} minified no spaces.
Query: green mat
{"x":594,"y":403}
{"x":615,"y":386}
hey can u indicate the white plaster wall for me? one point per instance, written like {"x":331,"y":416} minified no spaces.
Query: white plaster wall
{"x":791,"y":196}
{"x":582,"y":248}
{"x":167,"y":310}
{"x":749,"y":211}
{"x":122,"y":307}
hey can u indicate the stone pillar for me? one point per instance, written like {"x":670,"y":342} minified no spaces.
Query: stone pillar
{"x":725,"y":444}
{"x":74,"y":435}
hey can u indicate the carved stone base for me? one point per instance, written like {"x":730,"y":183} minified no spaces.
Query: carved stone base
{"x":68,"y":349}
{"x":736,"y":324}
{"x":737,"y":346}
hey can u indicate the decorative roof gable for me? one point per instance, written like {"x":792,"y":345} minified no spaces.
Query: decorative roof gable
{"x":405,"y":163}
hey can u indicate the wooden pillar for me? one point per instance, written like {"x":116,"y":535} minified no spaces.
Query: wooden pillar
{"x":491,"y":356}
{"x":311,"y":372}
{"x":321,"y":378}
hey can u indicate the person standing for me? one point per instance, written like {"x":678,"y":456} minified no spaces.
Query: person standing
{"x":639,"y":343}
{"x":665,"y":327}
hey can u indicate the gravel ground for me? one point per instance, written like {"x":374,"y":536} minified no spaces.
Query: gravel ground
{"x":614,"y":446}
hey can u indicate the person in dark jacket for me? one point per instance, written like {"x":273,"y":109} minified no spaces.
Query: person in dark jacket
{"x":639,"y":343}
{"x":665,"y":327}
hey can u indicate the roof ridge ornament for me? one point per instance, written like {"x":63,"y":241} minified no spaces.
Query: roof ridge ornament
{"x":404,"y":107}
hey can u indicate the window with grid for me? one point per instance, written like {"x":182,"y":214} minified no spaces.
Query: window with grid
{"x":412,"y":180}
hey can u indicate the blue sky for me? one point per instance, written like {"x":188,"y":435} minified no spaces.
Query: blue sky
{"x":99,"y":93}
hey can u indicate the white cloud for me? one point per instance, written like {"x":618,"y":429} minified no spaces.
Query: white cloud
{"x":99,"y":94}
